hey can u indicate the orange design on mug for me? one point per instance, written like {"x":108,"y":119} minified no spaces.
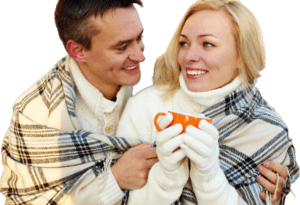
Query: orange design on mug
{"x":184,"y":119}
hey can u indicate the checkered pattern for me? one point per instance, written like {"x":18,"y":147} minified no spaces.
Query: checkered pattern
{"x":236,"y":115}
{"x":41,"y":163}
{"x":246,"y":108}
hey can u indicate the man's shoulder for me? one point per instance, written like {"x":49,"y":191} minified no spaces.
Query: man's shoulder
{"x":44,"y":85}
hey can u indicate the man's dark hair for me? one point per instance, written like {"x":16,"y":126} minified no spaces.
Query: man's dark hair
{"x":72,"y":18}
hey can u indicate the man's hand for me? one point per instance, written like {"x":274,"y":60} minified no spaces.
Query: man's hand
{"x":132,"y":169}
{"x":269,"y":169}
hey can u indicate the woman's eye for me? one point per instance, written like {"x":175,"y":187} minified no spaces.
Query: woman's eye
{"x":206,"y":44}
{"x":182,"y":44}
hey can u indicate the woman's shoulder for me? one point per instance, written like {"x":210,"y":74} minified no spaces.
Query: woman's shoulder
{"x":150,"y":93}
{"x":252,"y":106}
{"x":265,"y":112}
{"x":148,"y":102}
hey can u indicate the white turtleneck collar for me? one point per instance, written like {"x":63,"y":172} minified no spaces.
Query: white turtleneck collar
{"x":91,"y":105}
{"x":209,"y":98}
{"x":92,"y":96}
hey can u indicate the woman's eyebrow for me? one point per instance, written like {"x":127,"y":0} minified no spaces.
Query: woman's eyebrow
{"x":200,"y":36}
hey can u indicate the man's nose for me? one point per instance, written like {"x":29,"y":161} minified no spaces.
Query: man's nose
{"x":137,"y":53}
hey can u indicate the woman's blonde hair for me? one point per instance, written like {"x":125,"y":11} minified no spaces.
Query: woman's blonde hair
{"x":248,"y":38}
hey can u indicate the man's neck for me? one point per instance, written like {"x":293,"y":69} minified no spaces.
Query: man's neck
{"x":109,"y":92}
{"x":110,"y":95}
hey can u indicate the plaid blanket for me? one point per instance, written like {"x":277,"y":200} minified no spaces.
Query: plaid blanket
{"x":43,"y":163}
{"x":251,"y":132}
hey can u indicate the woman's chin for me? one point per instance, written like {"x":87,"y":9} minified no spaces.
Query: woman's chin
{"x":197,"y":88}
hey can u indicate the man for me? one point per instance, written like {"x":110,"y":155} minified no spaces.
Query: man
{"x":50,"y":161}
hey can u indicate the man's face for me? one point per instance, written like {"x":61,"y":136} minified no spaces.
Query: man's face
{"x":116,"y":51}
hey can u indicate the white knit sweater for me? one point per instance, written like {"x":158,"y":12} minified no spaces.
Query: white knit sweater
{"x":99,"y":115}
{"x":137,"y":122}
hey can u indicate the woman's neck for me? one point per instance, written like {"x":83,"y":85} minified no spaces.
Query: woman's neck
{"x":209,"y":98}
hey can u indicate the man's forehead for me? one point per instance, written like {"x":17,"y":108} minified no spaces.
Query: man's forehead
{"x":119,"y":24}
{"x":116,"y":16}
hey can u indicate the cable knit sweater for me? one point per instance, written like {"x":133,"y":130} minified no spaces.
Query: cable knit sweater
{"x":250,"y":132}
{"x":99,"y":115}
{"x":137,"y":122}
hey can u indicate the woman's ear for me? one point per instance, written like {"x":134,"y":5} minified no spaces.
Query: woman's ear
{"x":76,"y":51}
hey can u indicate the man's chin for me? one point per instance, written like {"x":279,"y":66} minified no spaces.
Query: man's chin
{"x":132,"y":81}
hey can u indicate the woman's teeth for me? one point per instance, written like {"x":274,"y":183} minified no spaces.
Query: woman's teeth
{"x":195,"y":72}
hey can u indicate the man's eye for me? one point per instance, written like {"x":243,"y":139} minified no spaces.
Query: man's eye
{"x":140,"y":37}
{"x":122,"y":48}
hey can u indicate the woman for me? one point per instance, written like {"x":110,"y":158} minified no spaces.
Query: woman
{"x":211,"y":67}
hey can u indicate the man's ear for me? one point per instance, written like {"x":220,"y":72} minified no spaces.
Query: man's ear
{"x":76,"y":51}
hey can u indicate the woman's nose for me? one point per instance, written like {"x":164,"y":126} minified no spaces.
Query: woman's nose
{"x":193,"y":55}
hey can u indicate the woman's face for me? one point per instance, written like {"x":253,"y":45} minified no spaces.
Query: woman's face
{"x":208,"y":54}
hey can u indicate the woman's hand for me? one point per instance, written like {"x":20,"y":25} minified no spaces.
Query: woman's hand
{"x":172,"y":171}
{"x":168,"y":141}
{"x":269,"y":169}
{"x":208,"y":179}
{"x":201,"y":146}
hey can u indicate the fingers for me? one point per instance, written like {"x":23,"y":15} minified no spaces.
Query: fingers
{"x":191,"y":154}
{"x":140,"y":146}
{"x":164,"y":121}
{"x":201,"y":136}
{"x":266,"y":183}
{"x":270,"y":180}
{"x":149,"y":152}
{"x":176,"y":156}
{"x":196,"y":146}
{"x":271,"y":187}
{"x":151,"y":162}
{"x":144,"y":150}
{"x":209,"y":129}
{"x":263,"y":196}
{"x":168,"y":147}
{"x":271,"y":176}
{"x":276,"y":167}
{"x":168,"y":133}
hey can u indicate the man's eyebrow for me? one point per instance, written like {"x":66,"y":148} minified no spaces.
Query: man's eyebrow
{"x":118,"y":44}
